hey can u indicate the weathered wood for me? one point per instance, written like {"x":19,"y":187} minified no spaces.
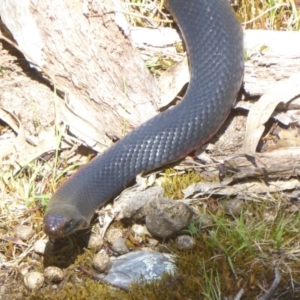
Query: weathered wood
{"x":279,"y":163}
{"x":270,"y":57}
{"x":106,"y":82}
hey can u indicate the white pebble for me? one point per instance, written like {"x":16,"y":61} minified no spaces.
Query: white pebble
{"x":40,"y":246}
{"x":101,"y":261}
{"x":24,"y":232}
{"x":34,"y":280}
{"x":54,"y":274}
{"x":95,"y":242}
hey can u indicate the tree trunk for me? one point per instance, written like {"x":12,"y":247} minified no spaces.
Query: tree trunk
{"x":104,"y":79}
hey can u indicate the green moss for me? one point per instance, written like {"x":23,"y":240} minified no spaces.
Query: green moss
{"x":174,"y":182}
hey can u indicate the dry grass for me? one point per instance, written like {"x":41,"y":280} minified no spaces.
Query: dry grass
{"x":270,"y":15}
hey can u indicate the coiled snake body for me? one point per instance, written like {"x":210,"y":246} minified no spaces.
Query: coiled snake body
{"x":214,"y":44}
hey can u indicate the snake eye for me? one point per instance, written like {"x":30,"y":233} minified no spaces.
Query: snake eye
{"x":69,"y":226}
{"x":74,"y":225}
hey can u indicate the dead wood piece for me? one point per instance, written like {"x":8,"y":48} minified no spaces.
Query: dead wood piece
{"x":274,"y":164}
{"x":263,"y":109}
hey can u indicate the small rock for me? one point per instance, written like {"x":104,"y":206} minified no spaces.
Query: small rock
{"x":185,"y":242}
{"x":140,"y":230}
{"x":24,"y":232}
{"x":113,"y":234}
{"x":43,"y":247}
{"x":34,"y":280}
{"x":95,"y":242}
{"x":234,"y":207}
{"x":40,"y":246}
{"x":102,"y":262}
{"x":54,"y":274}
{"x":166,"y":217}
{"x":138,"y":266}
{"x":135,"y":207}
{"x":119,"y":246}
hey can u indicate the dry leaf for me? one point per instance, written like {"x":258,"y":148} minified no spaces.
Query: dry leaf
{"x":172,"y":81}
{"x":262,"y":110}
{"x":85,"y":130}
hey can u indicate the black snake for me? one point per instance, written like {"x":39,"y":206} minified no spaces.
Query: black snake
{"x":214,"y":42}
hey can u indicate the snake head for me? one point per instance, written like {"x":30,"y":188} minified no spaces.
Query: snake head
{"x":60,"y":221}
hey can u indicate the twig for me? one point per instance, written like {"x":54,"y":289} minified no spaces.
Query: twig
{"x":239,"y":294}
{"x":272,"y":289}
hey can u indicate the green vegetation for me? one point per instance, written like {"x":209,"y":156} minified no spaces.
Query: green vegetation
{"x":233,"y":253}
{"x":174,"y":182}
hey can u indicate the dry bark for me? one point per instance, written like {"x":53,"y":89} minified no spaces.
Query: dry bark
{"x":105,"y":80}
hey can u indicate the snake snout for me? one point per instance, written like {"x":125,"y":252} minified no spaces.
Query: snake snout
{"x":62,"y":220}
{"x":55,"y":225}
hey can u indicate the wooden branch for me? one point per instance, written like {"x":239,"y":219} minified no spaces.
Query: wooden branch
{"x":283,"y":162}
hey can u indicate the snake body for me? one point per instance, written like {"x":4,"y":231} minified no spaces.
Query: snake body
{"x":214,"y":44}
